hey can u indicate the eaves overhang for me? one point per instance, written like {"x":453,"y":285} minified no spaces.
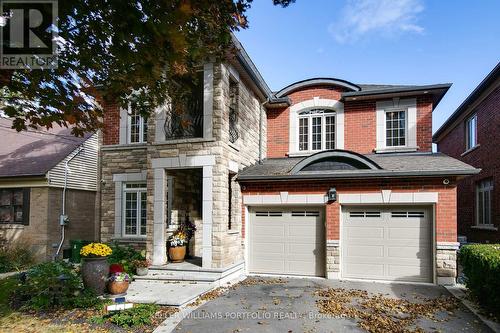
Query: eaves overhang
{"x":437,"y":91}
{"x":360,"y":175}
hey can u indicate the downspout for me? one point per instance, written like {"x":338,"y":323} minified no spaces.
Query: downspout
{"x":61,"y":222}
{"x":260,"y":129}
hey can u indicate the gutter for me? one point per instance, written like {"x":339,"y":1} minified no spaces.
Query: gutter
{"x":378,"y":174}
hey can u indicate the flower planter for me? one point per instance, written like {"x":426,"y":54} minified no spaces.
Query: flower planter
{"x":177,"y":253}
{"x":118,"y":287}
{"x":95,"y":272}
{"x":141,"y":271}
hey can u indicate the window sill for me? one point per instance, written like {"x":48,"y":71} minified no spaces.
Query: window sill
{"x":187,"y":140}
{"x":138,"y":239}
{"x":303,"y":153}
{"x":12,"y":226}
{"x":470,"y":150}
{"x":234,"y":146}
{"x":233,"y":232}
{"x":125,"y":146}
{"x":490,"y":227}
{"x":395,"y":150}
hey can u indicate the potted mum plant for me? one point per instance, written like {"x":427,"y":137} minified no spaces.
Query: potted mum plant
{"x":177,"y":246}
{"x":118,"y":283}
{"x":141,"y":266}
{"x":95,"y":267}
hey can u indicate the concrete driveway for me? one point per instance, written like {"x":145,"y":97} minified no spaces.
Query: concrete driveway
{"x":292,"y":305}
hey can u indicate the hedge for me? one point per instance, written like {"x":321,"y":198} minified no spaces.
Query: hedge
{"x":481,"y":265}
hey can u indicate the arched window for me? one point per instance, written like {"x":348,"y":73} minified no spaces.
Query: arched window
{"x":316,"y":130}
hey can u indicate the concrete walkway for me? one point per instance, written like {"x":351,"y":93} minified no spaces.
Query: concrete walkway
{"x":166,"y":293}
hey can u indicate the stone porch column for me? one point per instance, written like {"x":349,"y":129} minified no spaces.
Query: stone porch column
{"x":159,"y":227}
{"x":161,"y":167}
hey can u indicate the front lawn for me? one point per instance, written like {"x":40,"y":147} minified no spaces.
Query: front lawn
{"x":50,"y":297}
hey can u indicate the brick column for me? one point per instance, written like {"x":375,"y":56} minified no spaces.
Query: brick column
{"x":332,"y":240}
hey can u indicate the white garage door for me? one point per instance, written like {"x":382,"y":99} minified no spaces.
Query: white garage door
{"x":387,"y":243}
{"x":287,"y":241}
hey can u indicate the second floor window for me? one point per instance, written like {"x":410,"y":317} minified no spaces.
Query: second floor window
{"x":395,"y":128}
{"x":316,"y":130}
{"x":138,"y":128}
{"x":471,"y":132}
{"x":134,"y":215}
{"x":484,"y":191}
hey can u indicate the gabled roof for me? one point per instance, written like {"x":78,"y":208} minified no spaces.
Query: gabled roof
{"x":487,"y":81}
{"x":388,"y":166}
{"x":34,"y":152}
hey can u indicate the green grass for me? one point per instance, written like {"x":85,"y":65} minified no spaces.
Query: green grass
{"x":7,"y":285}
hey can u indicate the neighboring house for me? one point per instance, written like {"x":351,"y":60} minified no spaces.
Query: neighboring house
{"x":32,"y":181}
{"x":323,"y":178}
{"x":471,"y":134}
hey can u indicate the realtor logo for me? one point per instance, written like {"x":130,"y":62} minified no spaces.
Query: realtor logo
{"x":28,"y":34}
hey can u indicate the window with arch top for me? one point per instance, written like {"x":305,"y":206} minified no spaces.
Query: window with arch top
{"x":316,"y":130}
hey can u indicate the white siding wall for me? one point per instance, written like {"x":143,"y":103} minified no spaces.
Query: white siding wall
{"x":82,"y":170}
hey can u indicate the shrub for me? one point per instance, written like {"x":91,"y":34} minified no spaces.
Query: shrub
{"x":125,"y":255}
{"x":15,"y":257}
{"x":481,"y":264}
{"x":139,"y":315}
{"x":51,"y":285}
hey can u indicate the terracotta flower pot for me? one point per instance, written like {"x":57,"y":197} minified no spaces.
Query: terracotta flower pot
{"x":141,"y":271}
{"x":177,"y":253}
{"x":95,"y":272}
{"x":116,"y":288}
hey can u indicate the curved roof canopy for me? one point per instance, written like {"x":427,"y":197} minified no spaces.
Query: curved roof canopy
{"x":315,"y":82}
{"x":335,"y":160}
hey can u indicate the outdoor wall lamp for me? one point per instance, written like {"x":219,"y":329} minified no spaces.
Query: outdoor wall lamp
{"x":332,"y":194}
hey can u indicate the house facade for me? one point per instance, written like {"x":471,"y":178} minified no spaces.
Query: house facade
{"x":471,"y":135}
{"x":323,"y":178}
{"x":45,"y":175}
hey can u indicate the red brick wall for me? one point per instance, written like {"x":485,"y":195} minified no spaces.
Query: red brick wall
{"x":111,"y":130}
{"x":424,"y":123}
{"x":360,"y":131}
{"x":359,"y":121}
{"x":278,"y":130}
{"x":486,"y":157}
{"x":446,"y":230}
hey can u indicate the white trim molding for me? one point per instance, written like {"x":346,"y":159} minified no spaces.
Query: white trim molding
{"x":315,"y":103}
{"x":388,"y":197}
{"x":119,"y":179}
{"x":410,"y":106}
{"x":284,"y":199}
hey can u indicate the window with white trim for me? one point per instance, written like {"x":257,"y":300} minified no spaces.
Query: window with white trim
{"x":471,"y":132}
{"x":316,"y":130}
{"x":395,"y":128}
{"x":138,"y":127}
{"x":484,"y":191}
{"x":134,"y":209}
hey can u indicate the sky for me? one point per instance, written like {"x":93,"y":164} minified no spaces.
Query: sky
{"x":377,"y":41}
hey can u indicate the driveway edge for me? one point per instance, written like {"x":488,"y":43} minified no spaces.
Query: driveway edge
{"x":458,"y":291}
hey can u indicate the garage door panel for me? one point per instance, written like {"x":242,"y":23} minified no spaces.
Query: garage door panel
{"x":287,"y":244}
{"x":396,"y":246}
{"x":364,"y":269}
{"x":363,"y":232}
{"x":365,"y":250}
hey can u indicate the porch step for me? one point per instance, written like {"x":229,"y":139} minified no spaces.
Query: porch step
{"x":192,"y":274}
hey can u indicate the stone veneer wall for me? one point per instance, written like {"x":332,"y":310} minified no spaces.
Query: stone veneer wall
{"x":227,"y":245}
{"x":117,"y":161}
